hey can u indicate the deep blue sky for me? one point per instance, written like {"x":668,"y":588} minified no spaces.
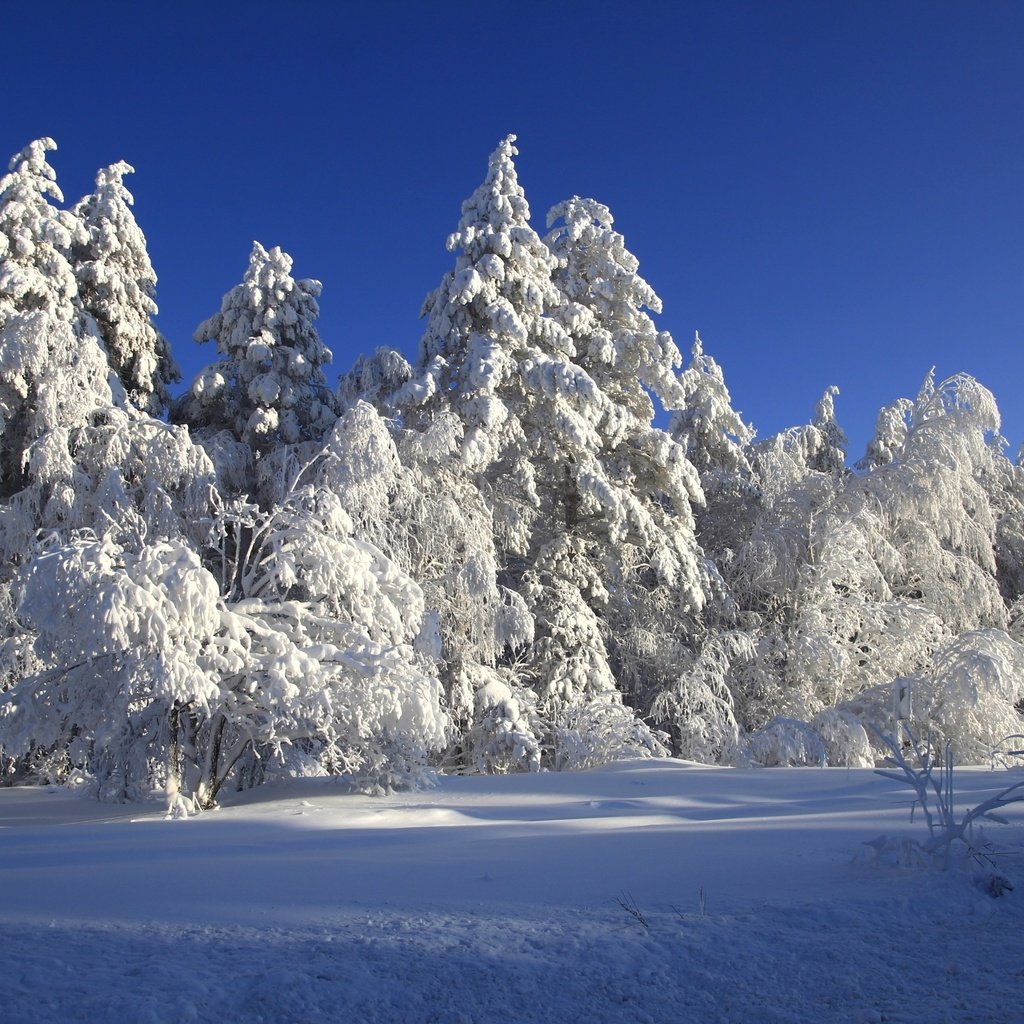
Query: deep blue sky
{"x":830,"y":192}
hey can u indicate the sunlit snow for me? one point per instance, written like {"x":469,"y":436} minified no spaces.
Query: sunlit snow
{"x":649,"y":891}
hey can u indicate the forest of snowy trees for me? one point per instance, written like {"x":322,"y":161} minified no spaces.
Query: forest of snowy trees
{"x":547,"y":542}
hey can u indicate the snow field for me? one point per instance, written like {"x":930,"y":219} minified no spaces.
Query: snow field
{"x":500,"y":899}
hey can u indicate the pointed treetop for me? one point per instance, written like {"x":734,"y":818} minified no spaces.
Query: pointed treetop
{"x":601,"y":258}
{"x":117,"y":285}
{"x":923,"y":408}
{"x":828,"y":454}
{"x":111,"y":179}
{"x":36,"y":236}
{"x":31,"y":163}
{"x":269,"y":387}
{"x":709,"y":365}
{"x":497,"y":205}
{"x":714,"y":434}
{"x":825,"y":410}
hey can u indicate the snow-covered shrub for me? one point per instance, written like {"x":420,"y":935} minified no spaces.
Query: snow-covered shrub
{"x":698,"y":708}
{"x":844,"y":738}
{"x":122,"y":637}
{"x":970,"y":696}
{"x":699,"y":715}
{"x":601,"y":732}
{"x":506,"y":732}
{"x":786,"y":743}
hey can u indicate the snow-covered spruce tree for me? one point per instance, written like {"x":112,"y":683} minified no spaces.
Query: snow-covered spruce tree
{"x":53,"y":370}
{"x":497,"y":355}
{"x":736,"y":654}
{"x":716,"y":440}
{"x":78,"y":461}
{"x":269,"y":387}
{"x":53,"y":373}
{"x":626,"y":534}
{"x":117,"y":285}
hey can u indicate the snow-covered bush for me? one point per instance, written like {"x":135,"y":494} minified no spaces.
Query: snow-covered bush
{"x":972,"y":695}
{"x":600,"y":732}
{"x":698,"y":709}
{"x":844,"y":738}
{"x":506,"y":732}
{"x":123,"y":638}
{"x":786,"y":743}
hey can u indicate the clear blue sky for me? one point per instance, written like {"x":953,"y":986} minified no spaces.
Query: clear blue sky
{"x":830,"y":192}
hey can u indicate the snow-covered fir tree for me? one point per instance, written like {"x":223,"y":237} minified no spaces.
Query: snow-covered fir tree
{"x":628,"y":490}
{"x":492,"y":350}
{"x":53,"y":370}
{"x":732,"y":647}
{"x":117,"y":287}
{"x":269,"y":387}
{"x":556,"y":460}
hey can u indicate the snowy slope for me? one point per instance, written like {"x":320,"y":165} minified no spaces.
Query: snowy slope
{"x":506,"y":899}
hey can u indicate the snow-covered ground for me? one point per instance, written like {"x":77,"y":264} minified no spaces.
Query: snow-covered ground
{"x":648,"y":891}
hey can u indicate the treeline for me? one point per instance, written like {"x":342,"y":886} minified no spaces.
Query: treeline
{"x":489,"y":559}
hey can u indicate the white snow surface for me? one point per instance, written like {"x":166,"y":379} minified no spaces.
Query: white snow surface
{"x":505,"y":898}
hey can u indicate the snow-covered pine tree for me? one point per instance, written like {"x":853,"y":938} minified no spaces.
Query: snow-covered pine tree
{"x":53,"y":380}
{"x":117,"y":287}
{"x":489,"y":321}
{"x":497,"y":355}
{"x":627,"y":538}
{"x":269,"y":387}
{"x":53,"y":371}
{"x":85,"y":476}
{"x":489,"y":325}
{"x":78,"y":457}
